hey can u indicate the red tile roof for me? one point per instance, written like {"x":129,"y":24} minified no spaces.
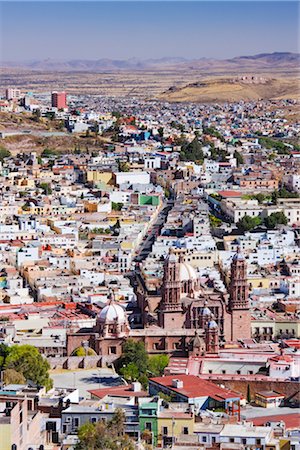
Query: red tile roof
{"x":232,"y":194}
{"x":118,"y":391}
{"x":291,"y":420}
{"x":194,"y":387}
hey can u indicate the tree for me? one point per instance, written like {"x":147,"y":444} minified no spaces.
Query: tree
{"x":116,"y":206}
{"x":283,"y":193}
{"x":46,"y":188}
{"x":11,"y":376}
{"x":48,"y":152}
{"x":157,"y":364}
{"x":123,"y":166}
{"x":135,"y":352}
{"x":260,"y":197}
{"x":27,"y":360}
{"x":130,"y":372}
{"x":108,"y":435}
{"x":248,"y":393}
{"x":4,"y":351}
{"x":274,"y":219}
{"x":192,"y":151}
{"x":213,"y":132}
{"x":36,"y":115}
{"x":248,"y":223}
{"x":135,"y":364}
{"x":4,"y":153}
{"x":214,"y":221}
{"x":239,"y":158}
{"x":161,"y":134}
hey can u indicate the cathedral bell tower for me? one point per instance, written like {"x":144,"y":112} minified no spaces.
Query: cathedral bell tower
{"x":171,"y":308}
{"x":239,"y":299}
{"x":212,"y":336}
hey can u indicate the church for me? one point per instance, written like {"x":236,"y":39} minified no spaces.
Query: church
{"x":186,"y":319}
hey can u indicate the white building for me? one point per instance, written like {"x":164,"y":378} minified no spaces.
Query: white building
{"x":132,"y":178}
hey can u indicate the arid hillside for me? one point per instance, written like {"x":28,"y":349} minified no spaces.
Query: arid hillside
{"x":234,"y":89}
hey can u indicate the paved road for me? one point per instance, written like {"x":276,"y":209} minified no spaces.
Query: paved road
{"x":146,"y":245}
{"x":85,"y":379}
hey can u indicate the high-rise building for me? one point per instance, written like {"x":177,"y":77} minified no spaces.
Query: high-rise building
{"x":12,"y":93}
{"x":59,"y":100}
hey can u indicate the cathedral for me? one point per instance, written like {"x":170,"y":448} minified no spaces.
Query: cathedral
{"x":184,"y":319}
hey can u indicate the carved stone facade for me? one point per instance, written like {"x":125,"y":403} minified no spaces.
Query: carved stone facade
{"x":187,"y":319}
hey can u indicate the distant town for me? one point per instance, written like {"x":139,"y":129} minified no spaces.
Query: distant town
{"x":149,"y":273}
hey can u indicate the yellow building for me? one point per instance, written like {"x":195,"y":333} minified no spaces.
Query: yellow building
{"x":259,"y":282}
{"x":93,"y":176}
{"x":5,"y":436}
{"x":173,"y":424}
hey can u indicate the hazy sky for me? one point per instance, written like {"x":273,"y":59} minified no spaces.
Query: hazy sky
{"x":121,"y":30}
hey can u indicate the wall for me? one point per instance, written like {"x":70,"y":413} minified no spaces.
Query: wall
{"x":288,"y":388}
{"x":75,"y":362}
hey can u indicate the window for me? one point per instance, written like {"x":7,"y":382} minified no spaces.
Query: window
{"x":213,"y":440}
{"x":231,"y":440}
{"x":76,"y":422}
{"x":223,"y":371}
{"x":244,"y":441}
{"x":258,"y":441}
{"x":148,"y":426}
{"x":93,"y":419}
{"x":185,"y":430}
{"x":165,"y":430}
{"x":112,"y":350}
{"x":238,"y":372}
{"x":204,"y":438}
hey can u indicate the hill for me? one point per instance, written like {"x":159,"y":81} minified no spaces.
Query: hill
{"x":263,"y":61}
{"x":234,"y":89}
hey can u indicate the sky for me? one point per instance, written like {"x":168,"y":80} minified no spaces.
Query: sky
{"x":144,"y":29}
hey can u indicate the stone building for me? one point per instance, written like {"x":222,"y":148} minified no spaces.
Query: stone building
{"x":185,"y":318}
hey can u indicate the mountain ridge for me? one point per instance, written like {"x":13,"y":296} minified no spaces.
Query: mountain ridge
{"x":266,"y":61}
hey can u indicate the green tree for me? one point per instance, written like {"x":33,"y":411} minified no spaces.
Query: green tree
{"x":4,"y":351}
{"x":248,"y":223}
{"x":4,"y":153}
{"x":36,"y":115}
{"x":135,"y":352}
{"x":123,"y":166}
{"x":116,"y":206}
{"x":274,"y":219}
{"x":46,"y":188}
{"x":130,"y":372}
{"x":214,"y":221}
{"x":27,"y":360}
{"x":48,"y":152}
{"x":160,"y":131}
{"x":248,"y":393}
{"x":192,"y":151}
{"x":213,"y":132}
{"x":283,"y":193}
{"x":239,"y":158}
{"x":260,"y":197}
{"x":157,"y":364}
{"x":116,"y":114}
{"x":108,"y":435}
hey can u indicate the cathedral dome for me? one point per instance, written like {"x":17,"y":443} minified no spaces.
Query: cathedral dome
{"x":112,"y":313}
{"x":187,"y":272}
